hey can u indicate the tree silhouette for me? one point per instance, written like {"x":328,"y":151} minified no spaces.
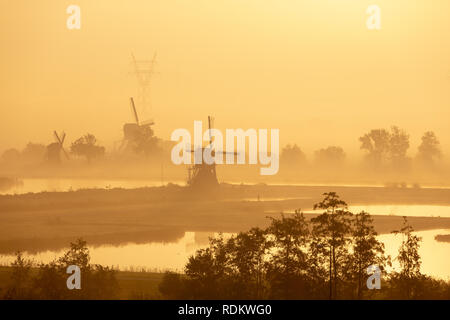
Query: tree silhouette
{"x":429,"y":149}
{"x":408,"y":258}
{"x":146,"y":142}
{"x":292,"y":156}
{"x":408,"y":254}
{"x":376,"y":143}
{"x":78,"y":255}
{"x":86,"y":147}
{"x":209,"y":269}
{"x":49,"y":280}
{"x":34,"y":152}
{"x":384,"y":147}
{"x":10,"y":156}
{"x":367,"y":250}
{"x":296,"y":258}
{"x":288,"y":267}
{"x":399,"y":145}
{"x":19,"y":287}
{"x":330,"y":234}
{"x":247,"y":252}
{"x":331,"y":156}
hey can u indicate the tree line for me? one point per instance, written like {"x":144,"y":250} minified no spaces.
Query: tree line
{"x":383,"y":149}
{"x":325,"y":257}
{"x":143,"y":142}
{"x":48,"y":281}
{"x":86,"y":147}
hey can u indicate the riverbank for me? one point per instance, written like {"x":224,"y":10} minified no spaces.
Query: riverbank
{"x":48,"y":221}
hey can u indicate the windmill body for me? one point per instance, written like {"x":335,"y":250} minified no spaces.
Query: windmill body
{"x":54,"y":149}
{"x":203,"y":176}
{"x":54,"y":152}
{"x":137,"y":133}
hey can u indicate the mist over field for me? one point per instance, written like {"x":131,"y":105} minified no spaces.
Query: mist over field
{"x":97,"y":98}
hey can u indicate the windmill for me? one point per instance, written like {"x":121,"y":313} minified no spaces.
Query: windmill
{"x":204,"y":175}
{"x":134,"y":131}
{"x":54,"y":149}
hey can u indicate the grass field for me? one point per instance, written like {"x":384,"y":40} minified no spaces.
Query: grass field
{"x":133,"y":285}
{"x":50,"y":221}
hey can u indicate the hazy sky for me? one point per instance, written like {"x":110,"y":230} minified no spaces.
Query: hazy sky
{"x":310,"y":68}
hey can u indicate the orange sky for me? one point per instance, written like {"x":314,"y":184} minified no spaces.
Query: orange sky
{"x":310,"y":68}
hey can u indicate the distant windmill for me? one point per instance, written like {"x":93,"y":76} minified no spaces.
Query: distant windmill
{"x":133,"y":131}
{"x":204,"y":175}
{"x":54,"y":149}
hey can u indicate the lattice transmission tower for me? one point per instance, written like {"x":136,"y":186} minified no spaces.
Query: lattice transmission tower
{"x":144,"y":70}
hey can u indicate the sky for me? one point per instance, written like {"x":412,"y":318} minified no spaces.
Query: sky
{"x":309,"y":68}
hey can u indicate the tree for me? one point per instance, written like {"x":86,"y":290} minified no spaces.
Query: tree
{"x":297,"y":259}
{"x":288,"y":269}
{"x":34,"y":152}
{"x":86,"y":147}
{"x":11,"y":156}
{"x":209,"y":270}
{"x":429,"y":149}
{"x":292,"y":156}
{"x":247,"y":253}
{"x":399,"y":145}
{"x":98,"y":282}
{"x":78,"y":255}
{"x":384,"y":147}
{"x":377,"y":145}
{"x":50,"y":282}
{"x":49,"y":279}
{"x":330,"y":232}
{"x":409,"y":260}
{"x":146,"y":142}
{"x":408,"y":254}
{"x":330,"y":156}
{"x":367,"y":250}
{"x":19,"y":287}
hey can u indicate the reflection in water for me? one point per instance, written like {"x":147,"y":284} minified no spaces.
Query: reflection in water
{"x":173,"y":256}
{"x":153,"y":256}
{"x":36,"y":245}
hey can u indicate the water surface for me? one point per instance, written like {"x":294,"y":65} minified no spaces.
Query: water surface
{"x":173,"y":256}
{"x":413,"y":210}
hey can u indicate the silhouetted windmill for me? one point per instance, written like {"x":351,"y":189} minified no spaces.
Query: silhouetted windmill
{"x":133,"y":131}
{"x":204,"y":175}
{"x":54,"y":149}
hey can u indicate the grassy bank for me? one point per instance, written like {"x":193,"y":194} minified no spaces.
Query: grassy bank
{"x":133,"y":285}
{"x":34,"y":222}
